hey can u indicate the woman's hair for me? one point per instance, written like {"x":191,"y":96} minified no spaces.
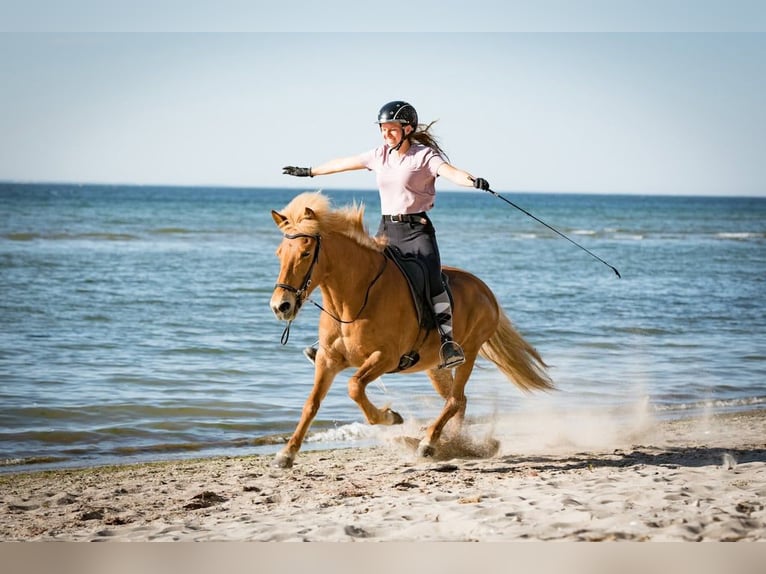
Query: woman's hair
{"x":423,"y":136}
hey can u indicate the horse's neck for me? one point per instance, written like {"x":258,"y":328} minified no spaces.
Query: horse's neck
{"x":349,"y":270}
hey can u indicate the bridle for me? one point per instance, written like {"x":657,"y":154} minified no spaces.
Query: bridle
{"x":301,"y":293}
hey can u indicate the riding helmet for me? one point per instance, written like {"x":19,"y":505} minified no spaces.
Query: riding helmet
{"x":398,"y":111}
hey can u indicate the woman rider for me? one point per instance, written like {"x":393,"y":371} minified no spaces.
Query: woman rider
{"x":406,"y":166}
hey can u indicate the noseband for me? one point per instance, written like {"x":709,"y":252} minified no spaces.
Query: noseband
{"x":300,"y":292}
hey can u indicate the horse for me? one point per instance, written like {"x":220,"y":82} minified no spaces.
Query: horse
{"x":368,"y":319}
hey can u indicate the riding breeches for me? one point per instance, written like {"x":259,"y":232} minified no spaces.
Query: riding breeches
{"x":416,"y":238}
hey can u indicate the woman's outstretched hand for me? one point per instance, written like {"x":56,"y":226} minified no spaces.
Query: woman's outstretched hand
{"x":481,"y":183}
{"x":297,"y":171}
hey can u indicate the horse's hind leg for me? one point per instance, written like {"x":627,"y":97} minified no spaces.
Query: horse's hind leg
{"x":442,"y":380}
{"x":455,"y":405}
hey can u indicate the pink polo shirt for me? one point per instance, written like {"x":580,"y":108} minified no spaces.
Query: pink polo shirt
{"x":405,"y":183}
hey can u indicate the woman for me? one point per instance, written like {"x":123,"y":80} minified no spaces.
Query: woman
{"x":406,"y":166}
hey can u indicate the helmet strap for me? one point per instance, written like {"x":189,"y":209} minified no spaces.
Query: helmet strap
{"x":401,"y":141}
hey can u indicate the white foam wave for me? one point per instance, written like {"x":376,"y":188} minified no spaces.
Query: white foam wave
{"x":739,"y":235}
{"x":344,"y":433}
{"x":714,"y":404}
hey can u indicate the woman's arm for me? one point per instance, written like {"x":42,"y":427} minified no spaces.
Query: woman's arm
{"x":332,"y":166}
{"x":338,"y":165}
{"x":455,"y":175}
{"x":461,"y":177}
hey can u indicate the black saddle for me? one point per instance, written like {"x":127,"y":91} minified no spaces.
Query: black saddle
{"x":416,"y":273}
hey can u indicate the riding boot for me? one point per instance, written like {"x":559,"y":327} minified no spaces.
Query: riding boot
{"x":451,"y":353}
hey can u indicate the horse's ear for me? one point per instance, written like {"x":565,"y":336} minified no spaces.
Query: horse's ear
{"x":278,"y":218}
{"x":309,"y":213}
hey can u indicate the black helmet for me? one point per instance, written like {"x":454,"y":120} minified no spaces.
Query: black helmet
{"x":400,"y":112}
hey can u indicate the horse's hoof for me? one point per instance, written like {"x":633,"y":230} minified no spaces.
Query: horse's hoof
{"x":425,"y":450}
{"x":283,"y":460}
{"x":394,"y":417}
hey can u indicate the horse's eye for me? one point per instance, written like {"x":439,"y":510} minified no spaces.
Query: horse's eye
{"x":305,"y":254}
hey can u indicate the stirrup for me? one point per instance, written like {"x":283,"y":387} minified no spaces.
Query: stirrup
{"x":451,"y":354}
{"x":311,"y":354}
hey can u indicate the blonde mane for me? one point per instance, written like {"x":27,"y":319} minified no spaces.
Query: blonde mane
{"x":348,"y":221}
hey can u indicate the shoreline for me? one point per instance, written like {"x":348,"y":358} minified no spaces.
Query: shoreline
{"x":681,"y":480}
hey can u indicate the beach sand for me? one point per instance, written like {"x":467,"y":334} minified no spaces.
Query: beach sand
{"x":684,"y":480}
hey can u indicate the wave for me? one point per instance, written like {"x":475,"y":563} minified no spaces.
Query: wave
{"x":344,"y":433}
{"x":610,"y":233}
{"x":32,"y":460}
{"x":197,"y":350}
{"x":638,"y":235}
{"x":179,"y":447}
{"x":716,"y":404}
{"x":644,"y":331}
{"x":525,"y":235}
{"x":739,"y":235}
{"x":104,"y":236}
{"x":629,"y":236}
{"x":172,"y":231}
{"x":349,"y":433}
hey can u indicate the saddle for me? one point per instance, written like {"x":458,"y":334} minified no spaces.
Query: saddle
{"x":416,"y":274}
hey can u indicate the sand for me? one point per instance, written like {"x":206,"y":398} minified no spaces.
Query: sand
{"x":687,"y":480}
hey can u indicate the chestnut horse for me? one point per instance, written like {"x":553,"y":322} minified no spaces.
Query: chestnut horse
{"x":369,"y":320}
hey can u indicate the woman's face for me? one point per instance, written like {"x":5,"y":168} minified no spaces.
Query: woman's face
{"x":393,"y":133}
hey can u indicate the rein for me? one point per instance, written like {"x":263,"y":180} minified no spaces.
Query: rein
{"x":366,"y":297}
{"x":299,"y":292}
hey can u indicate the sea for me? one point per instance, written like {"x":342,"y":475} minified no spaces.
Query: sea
{"x":135,"y":321}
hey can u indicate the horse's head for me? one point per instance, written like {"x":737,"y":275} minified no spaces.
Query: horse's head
{"x":298,"y":254}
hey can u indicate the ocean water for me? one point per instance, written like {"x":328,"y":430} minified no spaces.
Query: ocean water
{"x":135,"y":325}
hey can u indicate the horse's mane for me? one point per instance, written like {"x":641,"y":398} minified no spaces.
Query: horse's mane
{"x":348,"y":221}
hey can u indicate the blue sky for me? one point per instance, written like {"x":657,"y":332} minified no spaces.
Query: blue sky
{"x":670,"y":113}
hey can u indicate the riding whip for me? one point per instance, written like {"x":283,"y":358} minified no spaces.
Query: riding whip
{"x":509,"y":202}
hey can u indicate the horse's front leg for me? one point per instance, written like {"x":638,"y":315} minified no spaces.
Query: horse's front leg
{"x":324,"y":374}
{"x":370,"y":370}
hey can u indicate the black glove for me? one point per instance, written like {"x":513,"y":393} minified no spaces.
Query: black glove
{"x":297,"y":171}
{"x":481,"y":183}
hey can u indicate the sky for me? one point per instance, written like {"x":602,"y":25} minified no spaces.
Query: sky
{"x":591,"y":111}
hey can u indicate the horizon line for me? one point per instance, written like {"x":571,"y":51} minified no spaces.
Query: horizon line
{"x":6,"y":182}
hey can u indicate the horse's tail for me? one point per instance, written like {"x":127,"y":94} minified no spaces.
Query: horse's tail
{"x":516,"y":358}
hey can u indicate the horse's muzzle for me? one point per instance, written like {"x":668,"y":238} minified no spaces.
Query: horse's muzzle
{"x":284,"y":305}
